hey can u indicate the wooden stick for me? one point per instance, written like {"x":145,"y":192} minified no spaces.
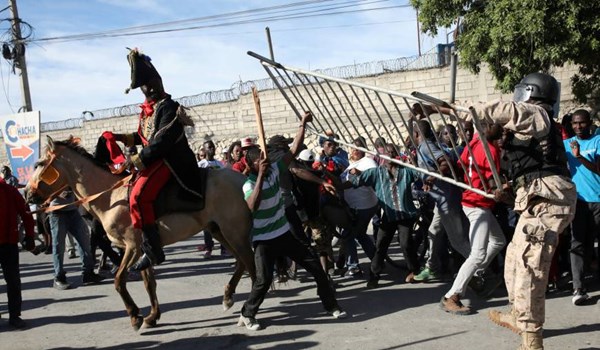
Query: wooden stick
{"x":259,"y":123}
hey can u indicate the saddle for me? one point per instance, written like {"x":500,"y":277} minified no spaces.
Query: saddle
{"x":173,"y":198}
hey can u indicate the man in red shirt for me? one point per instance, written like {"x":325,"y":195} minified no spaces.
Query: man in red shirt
{"x":240,"y":166}
{"x":13,"y":205}
{"x":485,"y":235}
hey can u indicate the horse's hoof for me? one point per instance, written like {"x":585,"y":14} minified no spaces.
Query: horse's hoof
{"x":137,"y":323}
{"x":227,"y":304}
{"x":150,"y":324}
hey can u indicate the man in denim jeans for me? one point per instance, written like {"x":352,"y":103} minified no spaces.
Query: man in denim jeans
{"x":363,"y":201}
{"x":69,"y":220}
{"x":448,"y":213}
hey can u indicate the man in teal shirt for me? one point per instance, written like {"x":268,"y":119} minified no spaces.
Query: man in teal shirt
{"x":392,"y":185}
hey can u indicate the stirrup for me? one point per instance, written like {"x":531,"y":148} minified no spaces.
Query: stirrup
{"x":143,"y":263}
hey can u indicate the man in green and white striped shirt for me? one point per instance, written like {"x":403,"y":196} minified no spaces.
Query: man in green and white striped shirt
{"x":272,"y":238}
{"x":269,"y":218}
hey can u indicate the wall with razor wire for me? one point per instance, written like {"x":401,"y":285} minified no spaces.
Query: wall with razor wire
{"x":227,"y":115}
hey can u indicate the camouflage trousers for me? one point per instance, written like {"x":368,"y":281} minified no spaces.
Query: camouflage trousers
{"x":546,"y":207}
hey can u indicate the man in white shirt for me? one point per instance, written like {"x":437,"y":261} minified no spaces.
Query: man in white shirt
{"x":363,"y":201}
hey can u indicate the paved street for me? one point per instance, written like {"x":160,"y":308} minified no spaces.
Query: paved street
{"x":394,"y":316}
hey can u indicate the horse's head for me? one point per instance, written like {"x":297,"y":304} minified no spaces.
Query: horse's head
{"x":48,"y":178}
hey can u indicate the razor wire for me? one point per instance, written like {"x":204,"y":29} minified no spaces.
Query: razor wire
{"x":348,"y":110}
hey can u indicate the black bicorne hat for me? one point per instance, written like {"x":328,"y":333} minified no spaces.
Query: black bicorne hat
{"x":142,"y":70}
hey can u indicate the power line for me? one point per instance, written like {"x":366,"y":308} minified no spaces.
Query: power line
{"x":237,"y":14}
{"x":212,"y":17}
{"x":274,"y":19}
{"x":292,"y":29}
{"x":303,"y":13}
{"x":5,"y":89}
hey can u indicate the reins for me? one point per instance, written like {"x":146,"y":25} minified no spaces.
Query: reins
{"x":83,"y":200}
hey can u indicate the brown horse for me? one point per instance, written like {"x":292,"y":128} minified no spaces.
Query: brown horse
{"x":225,"y":214}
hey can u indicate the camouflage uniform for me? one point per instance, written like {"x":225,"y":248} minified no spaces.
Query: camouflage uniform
{"x":546,"y":205}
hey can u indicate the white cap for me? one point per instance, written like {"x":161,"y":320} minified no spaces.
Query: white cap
{"x":306,"y":155}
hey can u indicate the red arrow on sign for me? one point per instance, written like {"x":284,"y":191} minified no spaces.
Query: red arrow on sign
{"x":23,"y":152}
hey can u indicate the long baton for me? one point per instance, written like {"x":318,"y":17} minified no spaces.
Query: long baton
{"x":259,"y":123}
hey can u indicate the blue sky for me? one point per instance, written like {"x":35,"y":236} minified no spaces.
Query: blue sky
{"x":67,"y":78}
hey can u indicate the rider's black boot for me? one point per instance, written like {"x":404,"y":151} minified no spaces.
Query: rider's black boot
{"x":152,"y":248}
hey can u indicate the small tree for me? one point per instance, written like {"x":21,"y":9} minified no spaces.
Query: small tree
{"x":516,"y":37}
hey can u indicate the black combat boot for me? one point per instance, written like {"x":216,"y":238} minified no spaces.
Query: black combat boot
{"x":152,"y":248}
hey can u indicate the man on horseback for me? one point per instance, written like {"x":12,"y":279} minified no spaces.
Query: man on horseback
{"x":165,"y":154}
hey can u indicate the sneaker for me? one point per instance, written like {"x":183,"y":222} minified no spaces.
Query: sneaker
{"x":208,"y":254}
{"x":454,"y":306}
{"x":410,"y":278}
{"x":61,"y":283}
{"x":114,"y":270}
{"x":250,"y":322}
{"x":91,"y":278}
{"x":426,"y":275}
{"x":339,"y":314}
{"x":17,"y":322}
{"x":354,"y":272}
{"x":580,"y":296}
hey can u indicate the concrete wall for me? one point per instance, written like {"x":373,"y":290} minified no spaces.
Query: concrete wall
{"x":226,"y":122}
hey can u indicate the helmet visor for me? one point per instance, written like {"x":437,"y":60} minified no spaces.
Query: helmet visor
{"x":522,"y":92}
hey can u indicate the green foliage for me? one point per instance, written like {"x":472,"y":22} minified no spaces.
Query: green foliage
{"x":516,"y":37}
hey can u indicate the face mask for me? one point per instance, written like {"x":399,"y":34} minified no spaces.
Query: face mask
{"x":522,"y":93}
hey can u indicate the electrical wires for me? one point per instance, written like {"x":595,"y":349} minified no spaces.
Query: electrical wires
{"x":293,"y":11}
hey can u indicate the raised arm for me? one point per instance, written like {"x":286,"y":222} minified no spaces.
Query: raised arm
{"x":253,"y":199}
{"x":299,"y":138}
{"x":593,"y":167}
{"x":520,"y":117}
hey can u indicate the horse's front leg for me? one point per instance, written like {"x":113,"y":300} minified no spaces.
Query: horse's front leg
{"x":150,"y":283}
{"x":121,"y":287}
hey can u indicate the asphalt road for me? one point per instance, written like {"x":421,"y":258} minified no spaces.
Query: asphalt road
{"x":394,"y":316}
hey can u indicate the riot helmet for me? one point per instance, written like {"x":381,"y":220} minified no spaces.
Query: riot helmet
{"x":537,"y":86}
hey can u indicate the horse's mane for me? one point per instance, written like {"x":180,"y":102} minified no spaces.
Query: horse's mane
{"x":74,"y":145}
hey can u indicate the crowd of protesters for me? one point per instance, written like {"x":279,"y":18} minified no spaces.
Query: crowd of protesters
{"x":330,"y":194}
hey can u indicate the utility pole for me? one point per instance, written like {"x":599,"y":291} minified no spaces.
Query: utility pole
{"x":19,"y":60}
{"x":418,"y":34}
